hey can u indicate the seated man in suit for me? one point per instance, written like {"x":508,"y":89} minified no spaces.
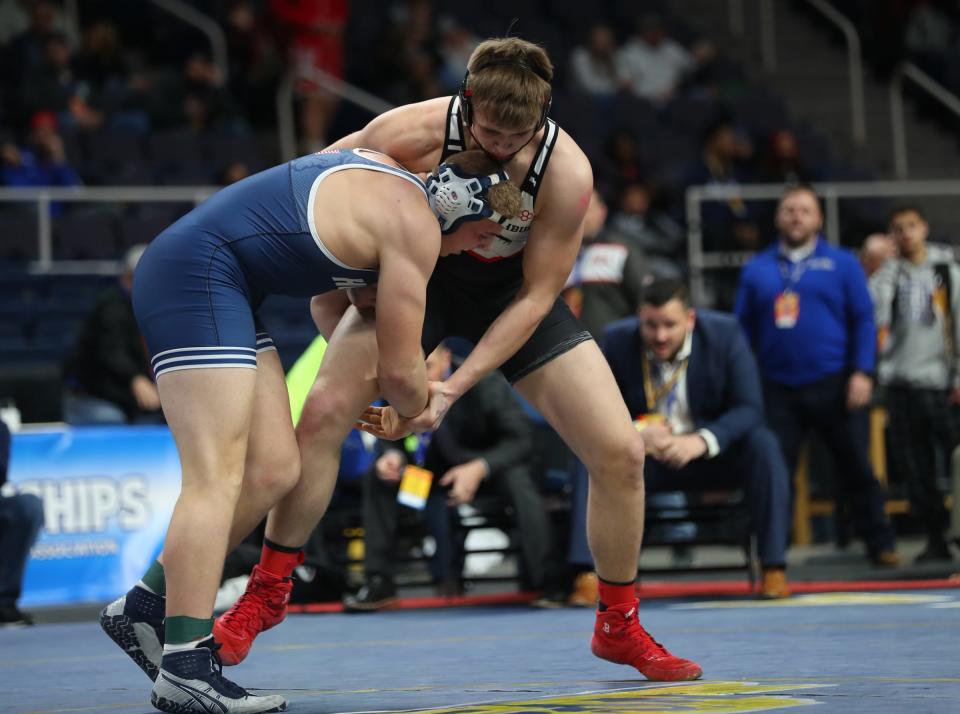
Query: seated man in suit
{"x":485,"y":438}
{"x":691,"y":382}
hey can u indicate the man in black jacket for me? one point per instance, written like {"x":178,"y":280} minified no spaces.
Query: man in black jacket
{"x":21,"y":516}
{"x":486,"y":437}
{"x":108,"y":377}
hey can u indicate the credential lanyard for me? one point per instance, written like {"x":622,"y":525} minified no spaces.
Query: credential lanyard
{"x":654,"y":395}
{"x":790,"y":275}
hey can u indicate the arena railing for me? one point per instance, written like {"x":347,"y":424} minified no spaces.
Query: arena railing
{"x":830,"y":193}
{"x":205,"y":24}
{"x":286,"y":97}
{"x":908,"y":70}
{"x":43,"y":197}
{"x":736,"y":19}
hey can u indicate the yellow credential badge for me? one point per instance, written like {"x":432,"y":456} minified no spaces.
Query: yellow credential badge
{"x":415,"y":487}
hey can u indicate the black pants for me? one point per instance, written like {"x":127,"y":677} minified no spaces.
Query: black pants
{"x":753,"y":463}
{"x":922,"y":421}
{"x":21,"y":517}
{"x":793,"y":411}
{"x":514,"y":485}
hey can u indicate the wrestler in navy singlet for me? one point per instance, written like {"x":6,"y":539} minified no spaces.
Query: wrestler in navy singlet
{"x":198,"y":286}
{"x":468,"y":291}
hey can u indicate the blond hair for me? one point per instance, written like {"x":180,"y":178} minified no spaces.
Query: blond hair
{"x":509,"y":80}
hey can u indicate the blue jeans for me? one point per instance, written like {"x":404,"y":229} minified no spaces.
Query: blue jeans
{"x":83,"y":410}
{"x":21,"y":517}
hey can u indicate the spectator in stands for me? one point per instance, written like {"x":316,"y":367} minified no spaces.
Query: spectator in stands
{"x":917,"y":301}
{"x":42,"y":163}
{"x":21,"y":517}
{"x":194,"y":99}
{"x":314,"y":31}
{"x":652,"y":62}
{"x":255,"y":62}
{"x":806,"y":310}
{"x":876,"y":250}
{"x":782,"y":162}
{"x":656,"y":234}
{"x":690,"y":381}
{"x":53,"y":85}
{"x":594,"y":66}
{"x":928,"y":35}
{"x":233,"y":172}
{"x":14,"y":19}
{"x":729,"y":224}
{"x":104,"y":69}
{"x":28,"y":25}
{"x":486,"y":437}
{"x":606,"y":280}
{"x":457,"y":43}
{"x":108,"y":378}
{"x":623,"y":151}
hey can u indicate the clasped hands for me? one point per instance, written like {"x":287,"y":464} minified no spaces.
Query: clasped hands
{"x":674,"y":450}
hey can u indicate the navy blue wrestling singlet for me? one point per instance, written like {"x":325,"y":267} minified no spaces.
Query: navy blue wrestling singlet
{"x":199,"y":283}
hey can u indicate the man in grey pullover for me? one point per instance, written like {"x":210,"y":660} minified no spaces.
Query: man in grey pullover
{"x":917,"y":310}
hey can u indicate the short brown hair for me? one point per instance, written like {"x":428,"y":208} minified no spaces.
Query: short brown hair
{"x":900,"y":210}
{"x":799,"y":187}
{"x":504,"y":197}
{"x":509,"y":78}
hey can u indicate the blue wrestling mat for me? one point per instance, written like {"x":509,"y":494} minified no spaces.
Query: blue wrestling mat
{"x":890,"y":652}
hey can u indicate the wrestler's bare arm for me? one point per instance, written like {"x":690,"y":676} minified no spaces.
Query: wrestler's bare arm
{"x":411,"y":134}
{"x":408,"y":253}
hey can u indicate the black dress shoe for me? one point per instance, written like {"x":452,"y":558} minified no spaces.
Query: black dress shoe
{"x":936,"y":551}
{"x":13,"y":616}
{"x":376,"y":594}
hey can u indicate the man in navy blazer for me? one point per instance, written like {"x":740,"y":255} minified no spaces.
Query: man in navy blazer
{"x":689,"y":379}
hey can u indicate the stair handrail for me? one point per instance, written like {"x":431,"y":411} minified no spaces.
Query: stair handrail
{"x":286,"y":95}
{"x":908,"y":70}
{"x":858,"y":120}
{"x":735,"y":18}
{"x":207,"y":25}
{"x":768,"y":40}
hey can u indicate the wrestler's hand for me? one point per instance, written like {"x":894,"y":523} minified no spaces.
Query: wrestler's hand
{"x":383,"y":423}
{"x":386,"y":423}
{"x":437,"y":406}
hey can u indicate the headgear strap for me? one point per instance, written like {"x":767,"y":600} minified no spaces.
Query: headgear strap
{"x":457,"y":197}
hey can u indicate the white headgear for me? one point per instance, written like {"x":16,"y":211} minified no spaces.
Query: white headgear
{"x":456,"y":196}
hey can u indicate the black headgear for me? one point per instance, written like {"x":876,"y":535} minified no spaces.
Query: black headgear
{"x":466,"y":95}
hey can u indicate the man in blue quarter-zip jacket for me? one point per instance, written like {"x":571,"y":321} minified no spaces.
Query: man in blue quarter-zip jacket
{"x":805,"y":307}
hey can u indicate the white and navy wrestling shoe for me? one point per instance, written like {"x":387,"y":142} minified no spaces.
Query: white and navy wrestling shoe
{"x":191,"y":681}
{"x":135,"y":622}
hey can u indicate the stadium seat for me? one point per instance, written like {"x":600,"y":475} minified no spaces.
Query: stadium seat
{"x":19,"y":235}
{"x":85,"y":235}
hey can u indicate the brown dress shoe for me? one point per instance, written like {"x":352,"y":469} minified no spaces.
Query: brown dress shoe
{"x":585,"y":591}
{"x":774,"y":584}
{"x":886,"y":559}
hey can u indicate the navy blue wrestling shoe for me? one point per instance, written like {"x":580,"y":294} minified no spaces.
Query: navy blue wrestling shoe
{"x":135,"y":622}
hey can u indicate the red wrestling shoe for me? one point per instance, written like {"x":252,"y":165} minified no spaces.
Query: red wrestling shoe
{"x":619,"y":638}
{"x":262,"y":606}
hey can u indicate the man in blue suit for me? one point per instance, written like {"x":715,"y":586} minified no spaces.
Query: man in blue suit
{"x":691,"y":382}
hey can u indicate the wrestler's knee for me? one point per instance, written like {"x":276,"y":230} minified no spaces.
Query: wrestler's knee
{"x":326,"y":413}
{"x":277,"y":474}
{"x":619,"y":465}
